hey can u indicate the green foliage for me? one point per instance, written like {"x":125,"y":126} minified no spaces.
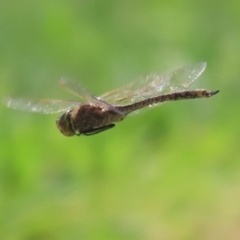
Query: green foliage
{"x":171,"y":172}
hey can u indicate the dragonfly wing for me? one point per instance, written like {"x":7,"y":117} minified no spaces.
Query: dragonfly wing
{"x":154,"y":84}
{"x":79,"y":91}
{"x":45,"y":106}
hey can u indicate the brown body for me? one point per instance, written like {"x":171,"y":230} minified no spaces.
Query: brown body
{"x":89,"y":119}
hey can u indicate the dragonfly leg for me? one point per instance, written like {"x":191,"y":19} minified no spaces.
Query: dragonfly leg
{"x":97,"y":130}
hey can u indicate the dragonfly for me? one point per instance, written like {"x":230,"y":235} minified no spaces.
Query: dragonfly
{"x":91,"y":114}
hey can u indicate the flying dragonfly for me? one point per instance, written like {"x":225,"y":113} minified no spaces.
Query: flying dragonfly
{"x":95,"y":114}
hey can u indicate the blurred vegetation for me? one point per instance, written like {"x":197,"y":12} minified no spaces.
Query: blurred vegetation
{"x":172,"y":172}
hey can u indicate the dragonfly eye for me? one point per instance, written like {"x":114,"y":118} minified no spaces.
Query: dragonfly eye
{"x":64,"y":124}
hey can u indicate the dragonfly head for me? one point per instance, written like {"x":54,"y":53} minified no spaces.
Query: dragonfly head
{"x":64,"y":124}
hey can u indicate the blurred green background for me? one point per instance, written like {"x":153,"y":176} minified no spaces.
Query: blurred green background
{"x":172,"y":172}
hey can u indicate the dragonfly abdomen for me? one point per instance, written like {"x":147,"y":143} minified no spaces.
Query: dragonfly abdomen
{"x":167,"y":97}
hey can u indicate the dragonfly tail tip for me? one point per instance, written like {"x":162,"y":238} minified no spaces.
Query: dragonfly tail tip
{"x":215,"y":92}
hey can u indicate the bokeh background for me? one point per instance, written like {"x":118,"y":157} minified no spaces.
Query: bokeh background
{"x":172,"y":172}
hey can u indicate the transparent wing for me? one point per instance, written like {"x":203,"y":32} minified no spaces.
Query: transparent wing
{"x":79,"y":91}
{"x":153,"y":85}
{"x":46,"y":106}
